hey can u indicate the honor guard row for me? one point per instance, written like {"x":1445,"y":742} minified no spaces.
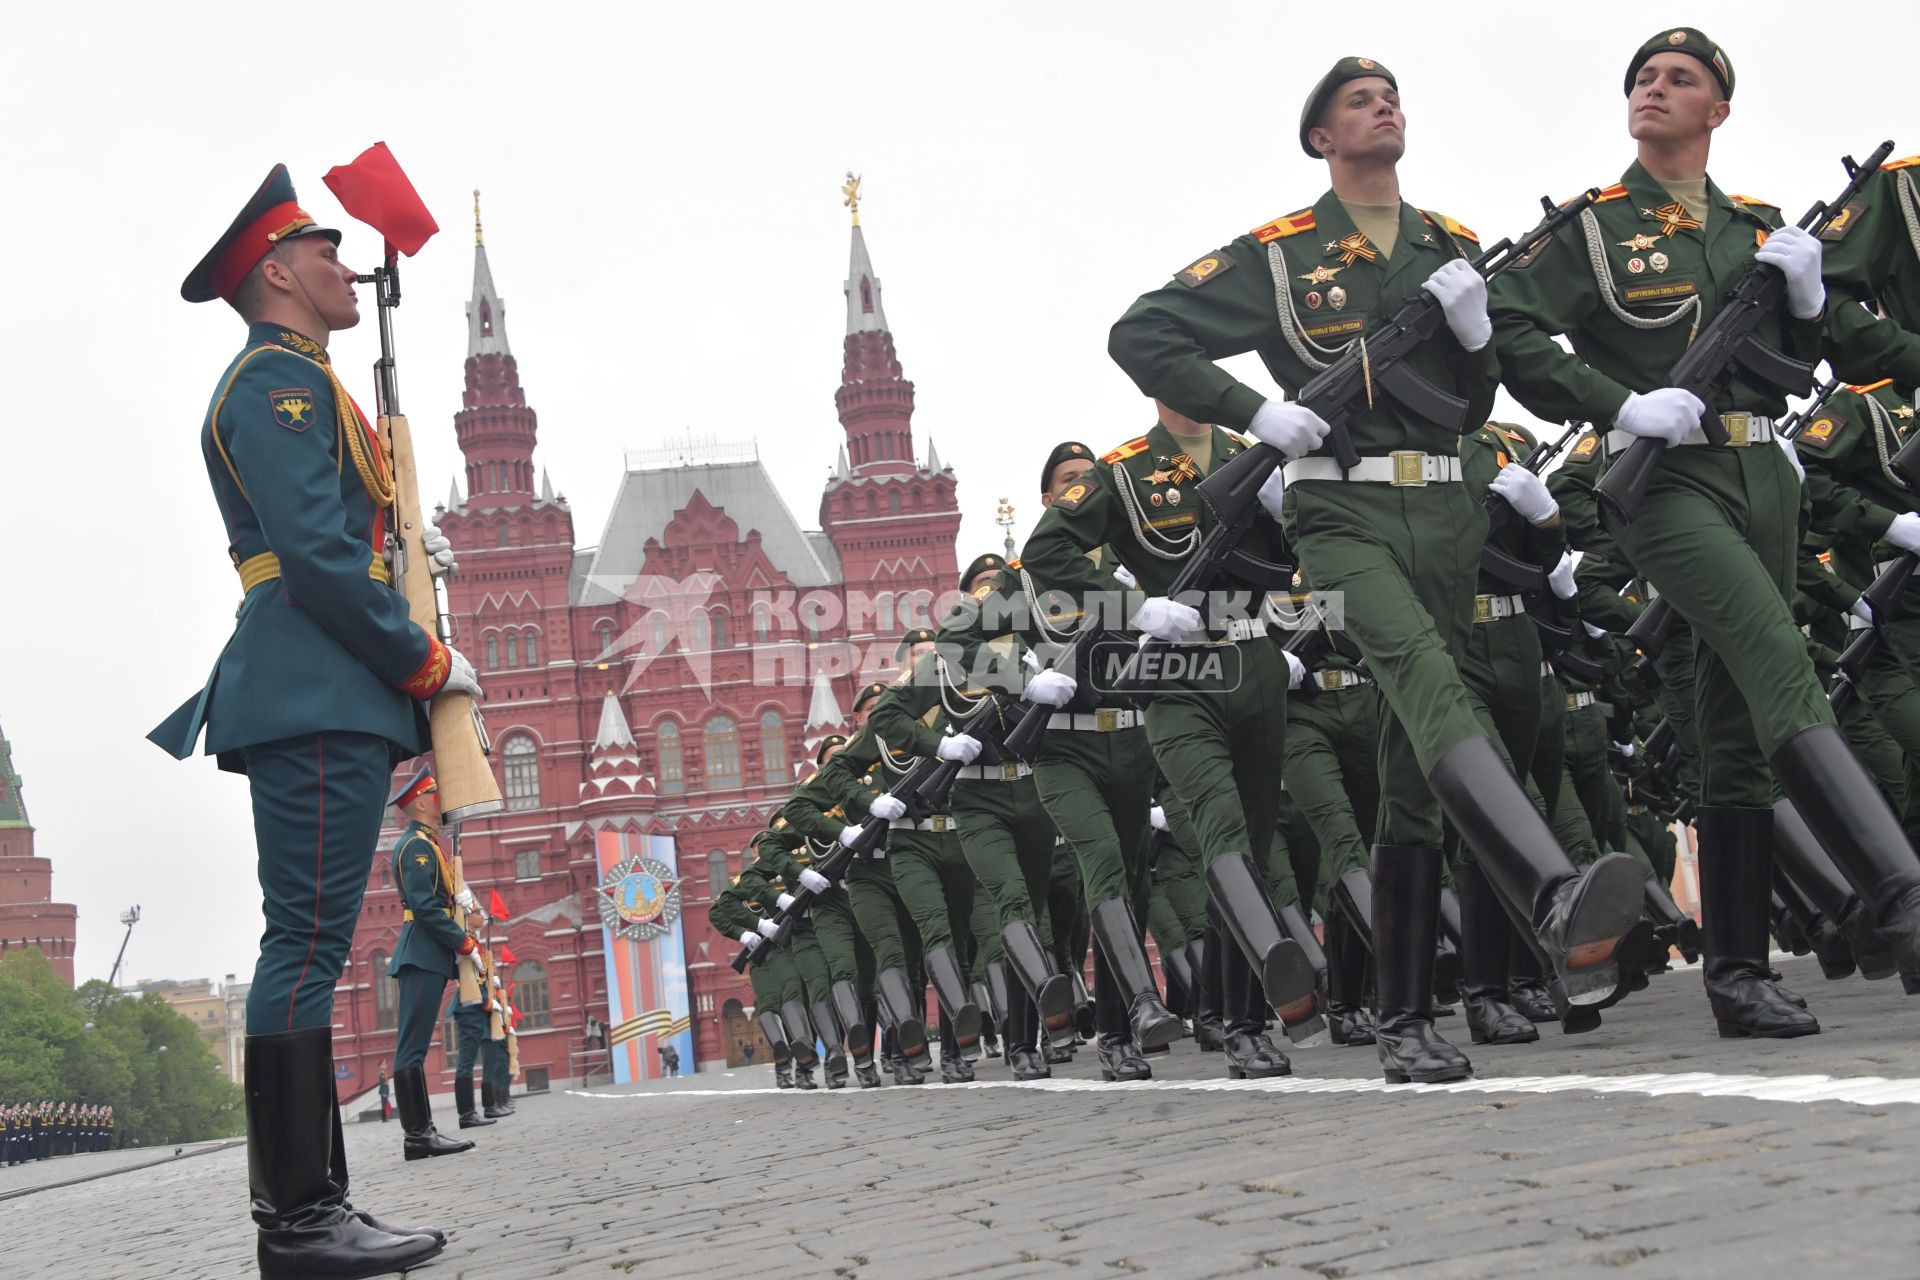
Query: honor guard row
{"x":41,"y":1130}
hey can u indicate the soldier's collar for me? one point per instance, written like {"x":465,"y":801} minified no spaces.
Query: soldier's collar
{"x":286,"y":339}
{"x":1645,"y":193}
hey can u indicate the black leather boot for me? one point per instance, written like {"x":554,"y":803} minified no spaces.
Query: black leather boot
{"x":463,"y":1102}
{"x":1246,"y":913}
{"x":835,"y":1068}
{"x":776,"y":1037}
{"x":853,"y":1022}
{"x":1736,"y":889}
{"x":1406,"y":916}
{"x":866,"y":1074}
{"x":1177,"y":964}
{"x":416,"y":1119}
{"x":492,"y":1105}
{"x":1349,"y":1022}
{"x":1021,"y":1034}
{"x":1249,"y":1051}
{"x":1486,"y":936}
{"x":1084,"y":1026}
{"x":337,"y":1174}
{"x":1050,"y":991}
{"x":1578,"y":917}
{"x":956,"y":1004}
{"x":1353,"y":895}
{"x":1447,"y":960}
{"x":800,"y":1037}
{"x":900,"y":1016}
{"x":1836,"y":916}
{"x":803,"y":1074}
{"x":827,"y":1023}
{"x":1209,"y":1027}
{"x":954,"y":1067}
{"x":1838,"y":799}
{"x":1674,"y":927}
{"x":1120,"y":1059}
{"x":1526,"y":983}
{"x":1151,"y":1024}
{"x":305,"y":1226}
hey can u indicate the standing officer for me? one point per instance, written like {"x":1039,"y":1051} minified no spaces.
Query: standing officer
{"x":1398,"y":535}
{"x":426,"y":956}
{"x":386,"y":1095}
{"x":1717,"y":531}
{"x":496,"y":1086}
{"x":319,"y":693}
{"x":470,"y":1027}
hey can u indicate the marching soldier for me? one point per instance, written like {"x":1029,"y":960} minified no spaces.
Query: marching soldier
{"x":426,"y":956}
{"x":1398,"y":535}
{"x":321,"y":690}
{"x":1717,"y":531}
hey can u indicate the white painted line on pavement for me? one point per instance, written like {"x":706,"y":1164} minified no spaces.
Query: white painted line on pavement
{"x":1862,"y":1090}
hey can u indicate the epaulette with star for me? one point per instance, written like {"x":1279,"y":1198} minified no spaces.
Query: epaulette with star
{"x":1130,"y":449}
{"x":1280,"y":228}
{"x":1871,"y":386}
{"x":1618,"y":191}
{"x":1753,"y":200}
{"x":1907,"y":163}
{"x":1454,"y":227}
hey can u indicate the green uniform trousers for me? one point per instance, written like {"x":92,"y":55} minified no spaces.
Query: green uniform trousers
{"x":838,"y":934}
{"x":1717,"y":536}
{"x":1589,"y":781}
{"x":1676,"y":696}
{"x":419,"y":1012}
{"x":1177,"y":881}
{"x":936,"y":886}
{"x":1293,"y":867}
{"x":1403,"y":563}
{"x":883,"y":918}
{"x":1889,"y":688}
{"x":1097,"y":789}
{"x":1332,"y":738}
{"x":1069,"y":925}
{"x":1008,"y":842}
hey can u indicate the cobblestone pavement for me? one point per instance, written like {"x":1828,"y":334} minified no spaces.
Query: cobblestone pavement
{"x":719,"y":1175}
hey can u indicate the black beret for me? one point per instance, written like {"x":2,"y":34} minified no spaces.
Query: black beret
{"x":1065,"y":451}
{"x":1688,"y":40}
{"x":869,"y":693}
{"x":919,"y":635}
{"x":1344,"y":70}
{"x":827,"y":744}
{"x":979,"y":566}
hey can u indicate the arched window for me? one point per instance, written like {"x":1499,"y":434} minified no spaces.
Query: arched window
{"x":701,"y":631}
{"x":718,"y":877}
{"x":719,"y":619}
{"x":533,"y":648}
{"x":893,"y":502}
{"x":773,"y":746}
{"x":659,"y":629}
{"x":502,"y":533}
{"x":522,"y":772}
{"x":673,"y":768}
{"x":723,"y":754}
{"x":493,"y":653}
{"x":530,"y":995}
{"x":513,"y":648}
{"x":762,"y":624}
{"x":605,"y":632}
{"x":386,"y":1014}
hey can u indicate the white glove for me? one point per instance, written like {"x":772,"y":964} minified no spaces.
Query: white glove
{"x":1598,"y":633}
{"x":752,"y":941}
{"x":1296,"y":670}
{"x":1904,"y":532}
{"x":1627,"y":749}
{"x":1797,"y":254}
{"x":1526,"y":493}
{"x":959,"y":747}
{"x":1561,"y":577}
{"x":814,"y":881}
{"x":768,"y":929}
{"x":1272,"y":490}
{"x":1462,"y":294}
{"x":887,"y":808}
{"x":1051,"y":689}
{"x":1157,"y":818}
{"x":784,"y":901}
{"x":468,"y":901}
{"x":1862,"y":610}
{"x":496,"y":981}
{"x":439,"y":551}
{"x":849,"y":833}
{"x":1124,"y":576}
{"x":1666,"y":413}
{"x":1793,"y":457}
{"x":1293,"y":429}
{"x":1166,"y":619}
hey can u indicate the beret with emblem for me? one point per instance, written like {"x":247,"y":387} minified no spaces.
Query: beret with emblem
{"x":1065,"y":451}
{"x":919,"y":635}
{"x":827,"y":744}
{"x":1344,"y":70}
{"x":980,"y":565}
{"x":868,"y":694}
{"x":272,"y":215}
{"x":1691,"y":41}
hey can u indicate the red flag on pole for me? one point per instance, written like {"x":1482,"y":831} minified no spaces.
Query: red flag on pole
{"x":374,"y":190}
{"x":507,"y":956}
{"x":497,"y":905}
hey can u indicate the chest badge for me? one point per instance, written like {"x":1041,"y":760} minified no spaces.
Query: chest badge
{"x":1312,"y":299}
{"x":1155,"y":498}
{"x":1904,"y":411}
{"x":1337,"y":298}
{"x":1636,"y":265}
{"x":1640,"y":243}
{"x":1173,"y":497}
{"x":1673,"y":218}
{"x":1658,"y":261}
{"x":1321,"y":274}
{"x":1353,"y":248}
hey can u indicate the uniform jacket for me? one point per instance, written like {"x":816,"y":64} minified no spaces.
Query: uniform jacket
{"x":430,"y":939}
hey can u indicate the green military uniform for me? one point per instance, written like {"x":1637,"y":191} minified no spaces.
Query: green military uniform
{"x":825,"y":947}
{"x":736,"y":912}
{"x":1872,"y":256}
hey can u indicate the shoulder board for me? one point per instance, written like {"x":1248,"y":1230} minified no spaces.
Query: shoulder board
{"x":1014,"y":563}
{"x":1125,"y":451}
{"x":1618,"y":191}
{"x":1871,"y":386}
{"x":1453,"y":227}
{"x":1907,"y":163}
{"x":1280,"y":228}
{"x":1764,"y":204}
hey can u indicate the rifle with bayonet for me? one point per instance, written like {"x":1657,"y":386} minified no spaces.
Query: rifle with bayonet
{"x":1728,"y":344}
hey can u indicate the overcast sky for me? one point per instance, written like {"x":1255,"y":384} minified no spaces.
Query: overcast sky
{"x":663,"y":219}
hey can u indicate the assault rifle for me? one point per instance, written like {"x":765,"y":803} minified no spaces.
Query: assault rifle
{"x":1727,"y":344}
{"x":926,"y":779}
{"x":1495,"y":560}
{"x":1232,"y":491}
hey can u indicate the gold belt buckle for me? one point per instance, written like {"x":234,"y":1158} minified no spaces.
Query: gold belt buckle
{"x":939,"y":822}
{"x":1330,"y":681}
{"x":1106,"y":719}
{"x":1010,"y":771}
{"x":1409,"y":467}
{"x":1483,"y":608}
{"x":1736,"y":425}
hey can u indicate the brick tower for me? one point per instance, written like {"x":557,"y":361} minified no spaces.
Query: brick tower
{"x":28,"y":915}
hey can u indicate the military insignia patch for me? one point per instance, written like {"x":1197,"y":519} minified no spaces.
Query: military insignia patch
{"x":1204,"y":270}
{"x":1659,"y":291}
{"x":420,"y":859}
{"x":1843,"y":221}
{"x":1585,"y":447}
{"x":1818,"y":432}
{"x":1072,"y":498}
{"x":292,"y":407}
{"x":1336,"y":328}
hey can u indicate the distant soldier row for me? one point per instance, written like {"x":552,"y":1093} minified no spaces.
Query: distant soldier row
{"x":41,"y":1130}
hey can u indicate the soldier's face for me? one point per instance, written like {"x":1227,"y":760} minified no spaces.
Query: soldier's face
{"x":1064,"y":477}
{"x":1362,"y":122}
{"x":1674,"y":97}
{"x":315,"y":263}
